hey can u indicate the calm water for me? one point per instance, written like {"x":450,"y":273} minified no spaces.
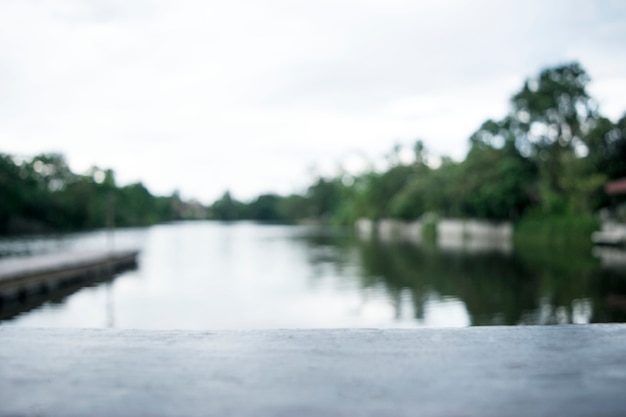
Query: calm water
{"x":208,"y":275}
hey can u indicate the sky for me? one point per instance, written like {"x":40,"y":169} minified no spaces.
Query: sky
{"x":260,"y":96}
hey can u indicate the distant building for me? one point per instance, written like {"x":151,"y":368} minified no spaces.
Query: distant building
{"x":616,"y":187}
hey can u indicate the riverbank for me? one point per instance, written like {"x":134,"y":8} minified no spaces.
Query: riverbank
{"x":485,"y":235}
{"x":575,"y":370}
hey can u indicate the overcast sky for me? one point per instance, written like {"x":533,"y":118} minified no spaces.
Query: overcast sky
{"x":205,"y":96}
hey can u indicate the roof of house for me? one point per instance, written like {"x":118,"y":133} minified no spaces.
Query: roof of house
{"x":616,"y":187}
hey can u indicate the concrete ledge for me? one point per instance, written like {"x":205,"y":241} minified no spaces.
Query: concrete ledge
{"x":576,"y":370}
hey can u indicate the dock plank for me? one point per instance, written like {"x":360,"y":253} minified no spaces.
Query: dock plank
{"x":26,"y":273}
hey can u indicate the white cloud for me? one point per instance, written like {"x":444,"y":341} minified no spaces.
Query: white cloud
{"x":204,"y":96}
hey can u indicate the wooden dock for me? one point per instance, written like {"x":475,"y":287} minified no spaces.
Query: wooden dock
{"x":22,"y":278}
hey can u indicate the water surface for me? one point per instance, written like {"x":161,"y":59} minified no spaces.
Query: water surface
{"x":210,"y":275}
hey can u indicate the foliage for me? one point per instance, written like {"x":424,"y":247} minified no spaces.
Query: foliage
{"x":548,"y":158}
{"x":538,"y":229}
{"x":42,"y":194}
{"x":227,"y":208}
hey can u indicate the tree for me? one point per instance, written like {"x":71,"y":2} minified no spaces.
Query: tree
{"x":42,"y":194}
{"x":227,"y":208}
{"x":497,"y":182}
{"x":265,"y":208}
{"x":551,"y":115}
{"x":607,"y":147}
{"x":324,"y":198}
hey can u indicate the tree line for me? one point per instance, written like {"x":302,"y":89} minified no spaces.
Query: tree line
{"x":549,"y":157}
{"x":41,"y":194}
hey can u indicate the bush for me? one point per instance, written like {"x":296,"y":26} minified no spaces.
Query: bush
{"x":556,"y":230}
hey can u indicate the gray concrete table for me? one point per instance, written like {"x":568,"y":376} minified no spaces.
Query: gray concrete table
{"x":577,"y":370}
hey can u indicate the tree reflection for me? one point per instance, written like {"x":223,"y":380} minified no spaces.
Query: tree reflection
{"x":531,"y":285}
{"x":495,"y":288}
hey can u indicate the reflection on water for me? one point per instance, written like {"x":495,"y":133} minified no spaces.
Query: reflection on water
{"x":57,"y":296}
{"x":209,"y":275}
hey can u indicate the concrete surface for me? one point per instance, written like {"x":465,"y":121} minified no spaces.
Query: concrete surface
{"x":576,"y":370}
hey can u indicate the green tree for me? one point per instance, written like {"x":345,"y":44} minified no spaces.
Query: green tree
{"x":410,"y":200}
{"x":607,"y":147}
{"x":227,"y":208}
{"x":496,"y":181}
{"x":324,"y":198}
{"x":292,"y":207}
{"x":265,"y":208}
{"x":383,"y":188}
{"x":552,"y":114}
{"x":42,"y":194}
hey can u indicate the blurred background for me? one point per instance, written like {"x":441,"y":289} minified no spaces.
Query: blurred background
{"x":344,"y":164}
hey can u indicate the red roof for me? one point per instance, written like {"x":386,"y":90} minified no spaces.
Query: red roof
{"x":616,"y":187}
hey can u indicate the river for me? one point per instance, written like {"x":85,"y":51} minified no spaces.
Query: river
{"x":211,"y":275}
